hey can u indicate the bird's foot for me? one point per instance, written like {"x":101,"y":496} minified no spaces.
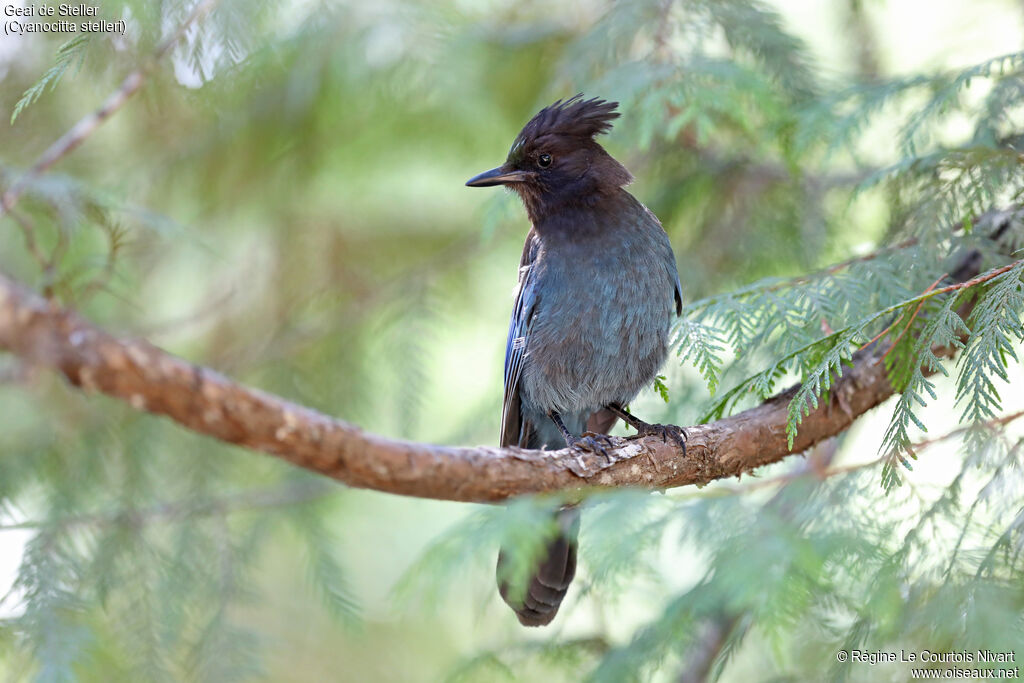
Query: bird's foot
{"x":594,"y":443}
{"x":677,"y":434}
{"x":666,"y":432}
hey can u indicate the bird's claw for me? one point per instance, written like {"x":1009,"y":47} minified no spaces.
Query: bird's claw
{"x":666,"y":432}
{"x":595,"y":443}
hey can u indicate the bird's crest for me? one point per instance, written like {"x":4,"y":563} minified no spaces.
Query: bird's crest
{"x":575,"y":117}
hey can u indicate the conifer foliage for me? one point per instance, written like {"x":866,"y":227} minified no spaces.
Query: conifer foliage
{"x":280,"y":201}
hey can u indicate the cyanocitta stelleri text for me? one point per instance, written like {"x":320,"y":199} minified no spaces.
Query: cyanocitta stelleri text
{"x":598,"y":287}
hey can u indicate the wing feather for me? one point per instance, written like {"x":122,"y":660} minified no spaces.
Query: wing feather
{"x":512,"y":431}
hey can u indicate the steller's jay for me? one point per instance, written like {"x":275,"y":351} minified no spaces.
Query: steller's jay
{"x":590,"y":325}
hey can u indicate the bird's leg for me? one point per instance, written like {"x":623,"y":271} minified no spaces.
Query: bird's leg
{"x":595,"y":443}
{"x":678,"y":434}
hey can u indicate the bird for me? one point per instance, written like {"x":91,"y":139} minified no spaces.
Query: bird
{"x":597,"y":291}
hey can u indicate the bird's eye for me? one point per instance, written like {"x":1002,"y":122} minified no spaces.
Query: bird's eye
{"x":544,"y":160}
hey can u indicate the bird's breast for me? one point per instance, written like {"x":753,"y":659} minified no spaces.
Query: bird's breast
{"x":601,"y":324}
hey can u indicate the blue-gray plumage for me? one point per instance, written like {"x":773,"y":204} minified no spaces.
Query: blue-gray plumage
{"x":597,"y":291}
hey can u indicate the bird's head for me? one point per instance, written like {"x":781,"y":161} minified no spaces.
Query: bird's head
{"x":555,"y":161}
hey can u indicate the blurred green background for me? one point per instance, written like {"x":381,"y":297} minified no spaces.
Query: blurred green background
{"x":283,"y":201}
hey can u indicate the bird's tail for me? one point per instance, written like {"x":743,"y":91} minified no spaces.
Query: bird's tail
{"x":550,"y":581}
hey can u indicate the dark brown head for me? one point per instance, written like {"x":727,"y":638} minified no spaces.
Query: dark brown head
{"x":555,"y":162}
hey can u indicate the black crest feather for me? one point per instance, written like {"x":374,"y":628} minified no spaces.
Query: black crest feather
{"x":575,"y":117}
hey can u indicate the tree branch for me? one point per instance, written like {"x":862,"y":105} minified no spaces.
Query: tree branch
{"x":206,"y":402}
{"x":150,"y":379}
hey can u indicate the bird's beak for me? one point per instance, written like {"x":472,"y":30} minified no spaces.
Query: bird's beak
{"x":498,"y":176}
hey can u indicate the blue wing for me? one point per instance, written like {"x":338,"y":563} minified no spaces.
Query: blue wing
{"x":512,"y":432}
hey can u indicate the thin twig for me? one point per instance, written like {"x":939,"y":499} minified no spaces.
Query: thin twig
{"x":28,"y":230}
{"x":882,"y":333}
{"x":929,"y":293}
{"x":900,"y":317}
{"x":988,"y":424}
{"x":116,"y":242}
{"x":46,"y":265}
{"x":912,"y":318}
{"x":78,"y":133}
{"x":800,"y":279}
{"x":757,"y":287}
{"x":975,"y":281}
